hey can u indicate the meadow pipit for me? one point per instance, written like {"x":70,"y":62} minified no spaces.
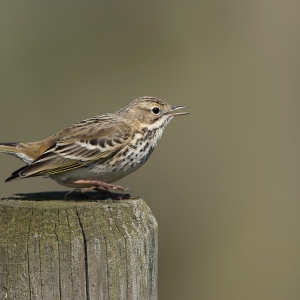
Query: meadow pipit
{"x":96,"y":152}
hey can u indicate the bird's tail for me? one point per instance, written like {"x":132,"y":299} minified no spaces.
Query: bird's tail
{"x":14,"y":149}
{"x":8,"y":147}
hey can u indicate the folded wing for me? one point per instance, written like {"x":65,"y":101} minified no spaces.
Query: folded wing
{"x":77,"y":146}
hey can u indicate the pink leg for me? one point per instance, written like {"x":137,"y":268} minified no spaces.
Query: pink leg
{"x":95,"y":185}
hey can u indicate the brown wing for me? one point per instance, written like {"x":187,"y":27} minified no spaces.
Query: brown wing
{"x":78,"y":145}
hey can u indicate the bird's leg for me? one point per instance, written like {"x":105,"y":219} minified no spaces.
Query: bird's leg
{"x":96,"y":184}
{"x":103,"y":188}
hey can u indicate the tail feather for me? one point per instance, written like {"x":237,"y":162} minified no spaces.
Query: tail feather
{"x":27,"y":152}
{"x":15,"y":175}
{"x":8,"y":147}
{"x":14,"y":149}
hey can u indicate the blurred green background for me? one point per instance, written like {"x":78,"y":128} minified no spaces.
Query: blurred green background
{"x":224,"y":181}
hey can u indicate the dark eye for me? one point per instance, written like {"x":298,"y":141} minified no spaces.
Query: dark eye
{"x":155,"y":110}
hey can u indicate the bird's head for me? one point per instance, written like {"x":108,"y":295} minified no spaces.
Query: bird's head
{"x":150,"y":111}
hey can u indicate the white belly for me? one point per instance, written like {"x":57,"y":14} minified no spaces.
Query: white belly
{"x":121,"y":164}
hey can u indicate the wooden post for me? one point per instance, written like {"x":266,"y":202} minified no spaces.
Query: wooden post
{"x":54,"y":248}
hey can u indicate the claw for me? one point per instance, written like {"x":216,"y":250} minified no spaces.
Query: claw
{"x":95,"y":185}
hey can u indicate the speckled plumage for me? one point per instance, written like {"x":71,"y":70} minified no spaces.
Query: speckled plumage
{"x":98,"y":151}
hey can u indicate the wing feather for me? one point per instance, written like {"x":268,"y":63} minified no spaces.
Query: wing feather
{"x":79,"y":145}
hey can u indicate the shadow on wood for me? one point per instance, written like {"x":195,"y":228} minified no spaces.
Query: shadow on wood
{"x":76,"y":248}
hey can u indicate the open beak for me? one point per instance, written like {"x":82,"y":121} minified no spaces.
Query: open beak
{"x":171,"y":112}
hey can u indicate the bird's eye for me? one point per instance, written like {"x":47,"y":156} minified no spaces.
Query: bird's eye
{"x":155,"y":110}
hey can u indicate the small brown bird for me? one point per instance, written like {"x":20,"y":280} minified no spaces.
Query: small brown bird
{"x":96,"y":152}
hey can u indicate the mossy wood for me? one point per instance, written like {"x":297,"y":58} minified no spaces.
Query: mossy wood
{"x":53,"y":248}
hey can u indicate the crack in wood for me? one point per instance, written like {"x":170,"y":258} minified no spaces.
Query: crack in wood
{"x":59,"y":258}
{"x":85,"y":256}
{"x":27,"y":250}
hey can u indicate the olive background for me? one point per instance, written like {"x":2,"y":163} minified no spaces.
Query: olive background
{"x":223,"y":182}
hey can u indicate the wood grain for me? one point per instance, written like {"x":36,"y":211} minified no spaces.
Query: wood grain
{"x":53,"y":247}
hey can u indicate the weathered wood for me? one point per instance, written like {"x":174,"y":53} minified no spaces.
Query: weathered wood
{"x":55,"y":248}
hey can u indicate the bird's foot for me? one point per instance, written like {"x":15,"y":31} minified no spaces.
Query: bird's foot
{"x":103,"y":188}
{"x":96,"y":184}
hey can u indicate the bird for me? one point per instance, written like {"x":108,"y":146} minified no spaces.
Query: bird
{"x":96,"y":152}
